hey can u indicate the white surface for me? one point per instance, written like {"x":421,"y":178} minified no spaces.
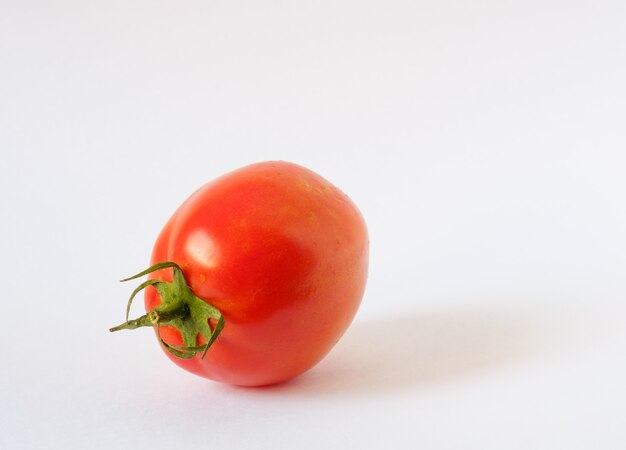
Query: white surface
{"x":484,"y":142}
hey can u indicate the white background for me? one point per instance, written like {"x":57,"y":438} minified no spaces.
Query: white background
{"x":484,"y":142}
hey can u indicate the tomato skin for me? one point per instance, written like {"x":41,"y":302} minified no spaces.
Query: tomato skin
{"x":283,"y":254}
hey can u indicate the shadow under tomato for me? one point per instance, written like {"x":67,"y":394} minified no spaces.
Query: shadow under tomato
{"x":406,"y":351}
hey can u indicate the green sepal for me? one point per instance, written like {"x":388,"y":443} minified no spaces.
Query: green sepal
{"x":179,"y":308}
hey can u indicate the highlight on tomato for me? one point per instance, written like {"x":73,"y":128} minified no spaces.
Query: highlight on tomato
{"x":256,"y":276}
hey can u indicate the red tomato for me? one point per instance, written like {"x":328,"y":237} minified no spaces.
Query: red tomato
{"x":282,"y":254}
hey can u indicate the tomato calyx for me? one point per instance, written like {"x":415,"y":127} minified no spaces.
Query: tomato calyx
{"x":179,"y":308}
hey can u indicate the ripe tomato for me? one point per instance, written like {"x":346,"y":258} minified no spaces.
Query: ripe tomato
{"x":281,"y":253}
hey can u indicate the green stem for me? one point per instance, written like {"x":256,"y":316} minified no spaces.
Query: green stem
{"x":143,"y":321}
{"x":179,"y":308}
{"x":154,"y":317}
